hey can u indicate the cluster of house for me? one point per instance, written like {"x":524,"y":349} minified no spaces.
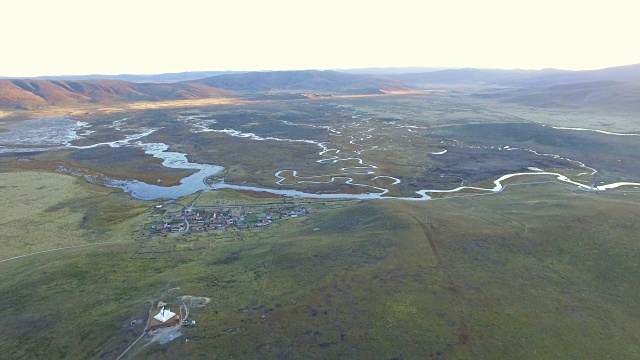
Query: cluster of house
{"x":197,"y":221}
{"x":167,"y":227}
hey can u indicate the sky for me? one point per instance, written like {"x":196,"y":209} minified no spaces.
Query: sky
{"x":75,"y":37}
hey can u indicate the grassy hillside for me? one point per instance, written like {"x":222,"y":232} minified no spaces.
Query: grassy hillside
{"x":25,"y":94}
{"x":602,"y":95}
{"x":28,"y":93}
{"x":32,"y":93}
{"x":535,"y":272}
{"x":52,"y":210}
{"x":606,"y":96}
{"x":302,"y":80}
{"x":616,"y":73}
{"x":466,"y":76}
{"x":521,"y":78}
{"x":157,"y":78}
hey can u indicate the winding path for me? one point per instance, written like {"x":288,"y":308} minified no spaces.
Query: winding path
{"x":144,"y":332}
{"x":58,"y":249}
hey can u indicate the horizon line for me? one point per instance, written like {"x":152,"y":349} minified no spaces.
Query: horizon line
{"x":434,"y":68}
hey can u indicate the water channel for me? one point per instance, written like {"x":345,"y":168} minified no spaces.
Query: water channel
{"x":41,"y":135}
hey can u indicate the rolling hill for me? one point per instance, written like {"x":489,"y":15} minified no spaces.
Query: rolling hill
{"x":29,"y":93}
{"x":521,"y":78}
{"x":156,"y":78}
{"x":628,"y":73}
{"x":467,"y":76}
{"x":304,"y":80}
{"x":604,"y":95}
{"x":26,"y":94}
{"x":611,"y":88}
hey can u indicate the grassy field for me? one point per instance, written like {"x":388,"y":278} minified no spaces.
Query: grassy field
{"x":538,"y":271}
{"x":234,"y":197}
{"x":602,"y":119}
{"x":49,"y":210}
{"x":613,"y":156}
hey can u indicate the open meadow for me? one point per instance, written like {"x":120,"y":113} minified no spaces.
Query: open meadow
{"x":50,"y":210}
{"x":476,"y":277}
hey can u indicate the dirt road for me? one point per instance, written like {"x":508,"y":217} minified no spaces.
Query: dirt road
{"x":58,"y":249}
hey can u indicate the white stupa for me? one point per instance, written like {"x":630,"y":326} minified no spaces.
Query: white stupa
{"x":164,"y":315}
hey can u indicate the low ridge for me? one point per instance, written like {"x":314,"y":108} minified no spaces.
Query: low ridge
{"x":27,"y":94}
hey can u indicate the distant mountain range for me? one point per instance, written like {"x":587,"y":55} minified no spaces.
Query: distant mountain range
{"x":155,"y":78}
{"x":520,"y":78}
{"x":541,"y":87}
{"x":390,"y":70}
{"x":32,"y":93}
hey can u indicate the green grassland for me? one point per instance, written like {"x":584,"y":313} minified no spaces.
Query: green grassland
{"x":614,"y":156}
{"x":234,"y":197}
{"x":48,"y":210}
{"x":609,"y":119}
{"x":538,"y":271}
{"x":119,"y":163}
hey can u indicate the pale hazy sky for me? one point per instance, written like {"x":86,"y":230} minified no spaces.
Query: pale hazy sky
{"x":56,"y":37}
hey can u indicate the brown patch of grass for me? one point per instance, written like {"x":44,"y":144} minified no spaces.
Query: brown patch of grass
{"x":256,"y":194}
{"x":144,"y":168}
{"x":47,"y":210}
{"x":384,"y":93}
{"x":79,"y":110}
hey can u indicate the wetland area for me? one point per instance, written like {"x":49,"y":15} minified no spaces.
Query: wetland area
{"x":464,"y":154}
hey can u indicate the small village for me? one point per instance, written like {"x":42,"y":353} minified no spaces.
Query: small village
{"x":199,"y":220}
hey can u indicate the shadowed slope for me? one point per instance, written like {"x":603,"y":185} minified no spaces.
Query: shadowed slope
{"x":303,"y":80}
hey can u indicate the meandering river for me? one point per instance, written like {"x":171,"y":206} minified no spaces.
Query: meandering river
{"x":23,"y":139}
